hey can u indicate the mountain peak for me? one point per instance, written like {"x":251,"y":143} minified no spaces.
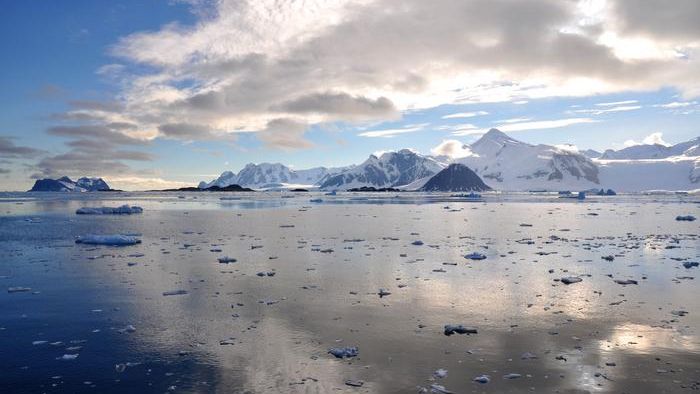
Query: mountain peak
{"x":496,"y":135}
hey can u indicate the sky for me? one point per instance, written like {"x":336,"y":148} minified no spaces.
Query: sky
{"x":155,"y":94}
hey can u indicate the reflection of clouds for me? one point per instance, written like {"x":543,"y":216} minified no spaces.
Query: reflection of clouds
{"x":492,"y":294}
{"x":644,"y":339}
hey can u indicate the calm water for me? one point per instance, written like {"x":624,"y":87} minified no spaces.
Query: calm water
{"x":235,"y":331}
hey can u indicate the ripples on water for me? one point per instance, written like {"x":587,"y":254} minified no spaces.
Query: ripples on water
{"x":235,"y":331}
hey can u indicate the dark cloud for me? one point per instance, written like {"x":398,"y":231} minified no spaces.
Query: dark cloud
{"x":188,"y":131}
{"x":341,"y":105}
{"x":8,"y":149}
{"x":110,"y":133}
{"x":284,"y":134}
{"x":677,"y":19}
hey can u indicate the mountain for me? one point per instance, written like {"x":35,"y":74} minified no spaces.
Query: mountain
{"x":65,"y":184}
{"x":272,"y":175}
{"x":591,"y":153}
{"x":391,"y":169}
{"x":455,"y":178}
{"x":654,"y":151}
{"x":652,"y":167}
{"x":637,"y":152}
{"x":508,"y":164}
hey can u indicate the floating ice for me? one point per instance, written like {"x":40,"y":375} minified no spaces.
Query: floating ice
{"x":383,"y":292}
{"x":354,"y":383}
{"x":512,"y":376}
{"x":68,"y":357}
{"x":174,"y":292}
{"x":458,"y":329}
{"x":483,"y":379}
{"x":112,"y":240}
{"x":19,"y":289}
{"x":440,"y":389}
{"x":690,"y":264}
{"x":567,"y":280}
{"x":626,"y":281}
{"x":226,"y":260}
{"x":475,"y":256}
{"x":686,"y":218}
{"x":122,"y":210}
{"x":440,"y":373}
{"x":343,"y":352}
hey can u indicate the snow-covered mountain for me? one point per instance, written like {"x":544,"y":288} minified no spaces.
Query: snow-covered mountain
{"x":654,"y":151}
{"x":65,"y":184}
{"x":505,"y":163}
{"x":272,"y":175}
{"x":652,"y":167}
{"x":391,"y":169}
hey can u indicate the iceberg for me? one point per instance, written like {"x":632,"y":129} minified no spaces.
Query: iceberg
{"x":122,"y":210}
{"x":112,"y":240}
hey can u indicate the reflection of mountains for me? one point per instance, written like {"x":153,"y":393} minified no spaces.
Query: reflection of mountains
{"x":276,"y":345}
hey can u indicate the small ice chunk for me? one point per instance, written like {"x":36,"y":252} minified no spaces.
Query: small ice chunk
{"x":68,"y":357}
{"x":528,"y":356}
{"x":440,"y":373}
{"x":226,"y":260}
{"x":122,"y":210}
{"x":354,"y":383}
{"x":112,"y":240}
{"x":458,"y":329}
{"x":690,"y":264}
{"x":383,"y":292}
{"x":475,"y":256}
{"x":343,"y":352}
{"x":417,"y":243}
{"x":686,"y":218}
{"x":512,"y":376}
{"x":567,"y":280}
{"x":19,"y":289}
{"x":120,"y":367}
{"x":439,"y":389}
{"x":483,"y":379}
{"x":174,"y":292}
{"x":626,"y":282}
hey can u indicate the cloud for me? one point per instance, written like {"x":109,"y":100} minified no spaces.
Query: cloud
{"x":651,"y":139}
{"x":617,"y":103}
{"x":535,"y":125}
{"x":677,"y":104}
{"x":285,"y":134}
{"x":9,"y":150}
{"x":189,"y":132}
{"x":622,"y":108}
{"x":465,"y":115}
{"x":676,"y":21}
{"x":248,"y":63}
{"x":390,"y":133}
{"x":341,"y":105}
{"x":452,"y":148}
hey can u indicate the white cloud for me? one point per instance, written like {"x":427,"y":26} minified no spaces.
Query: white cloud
{"x":651,"y":139}
{"x":536,"y":125}
{"x":278,"y":67}
{"x":677,"y":104}
{"x":452,"y":148}
{"x":465,"y":115}
{"x":617,"y":103}
{"x":389,"y":133}
{"x":623,"y":108}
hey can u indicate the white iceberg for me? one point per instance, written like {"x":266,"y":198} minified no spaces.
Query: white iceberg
{"x":113,"y":240}
{"x":123,"y":210}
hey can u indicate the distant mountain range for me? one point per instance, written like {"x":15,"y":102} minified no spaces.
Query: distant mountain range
{"x":503,"y":163}
{"x":66,"y":184}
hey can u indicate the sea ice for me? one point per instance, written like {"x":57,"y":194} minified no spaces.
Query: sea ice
{"x":112,"y":240}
